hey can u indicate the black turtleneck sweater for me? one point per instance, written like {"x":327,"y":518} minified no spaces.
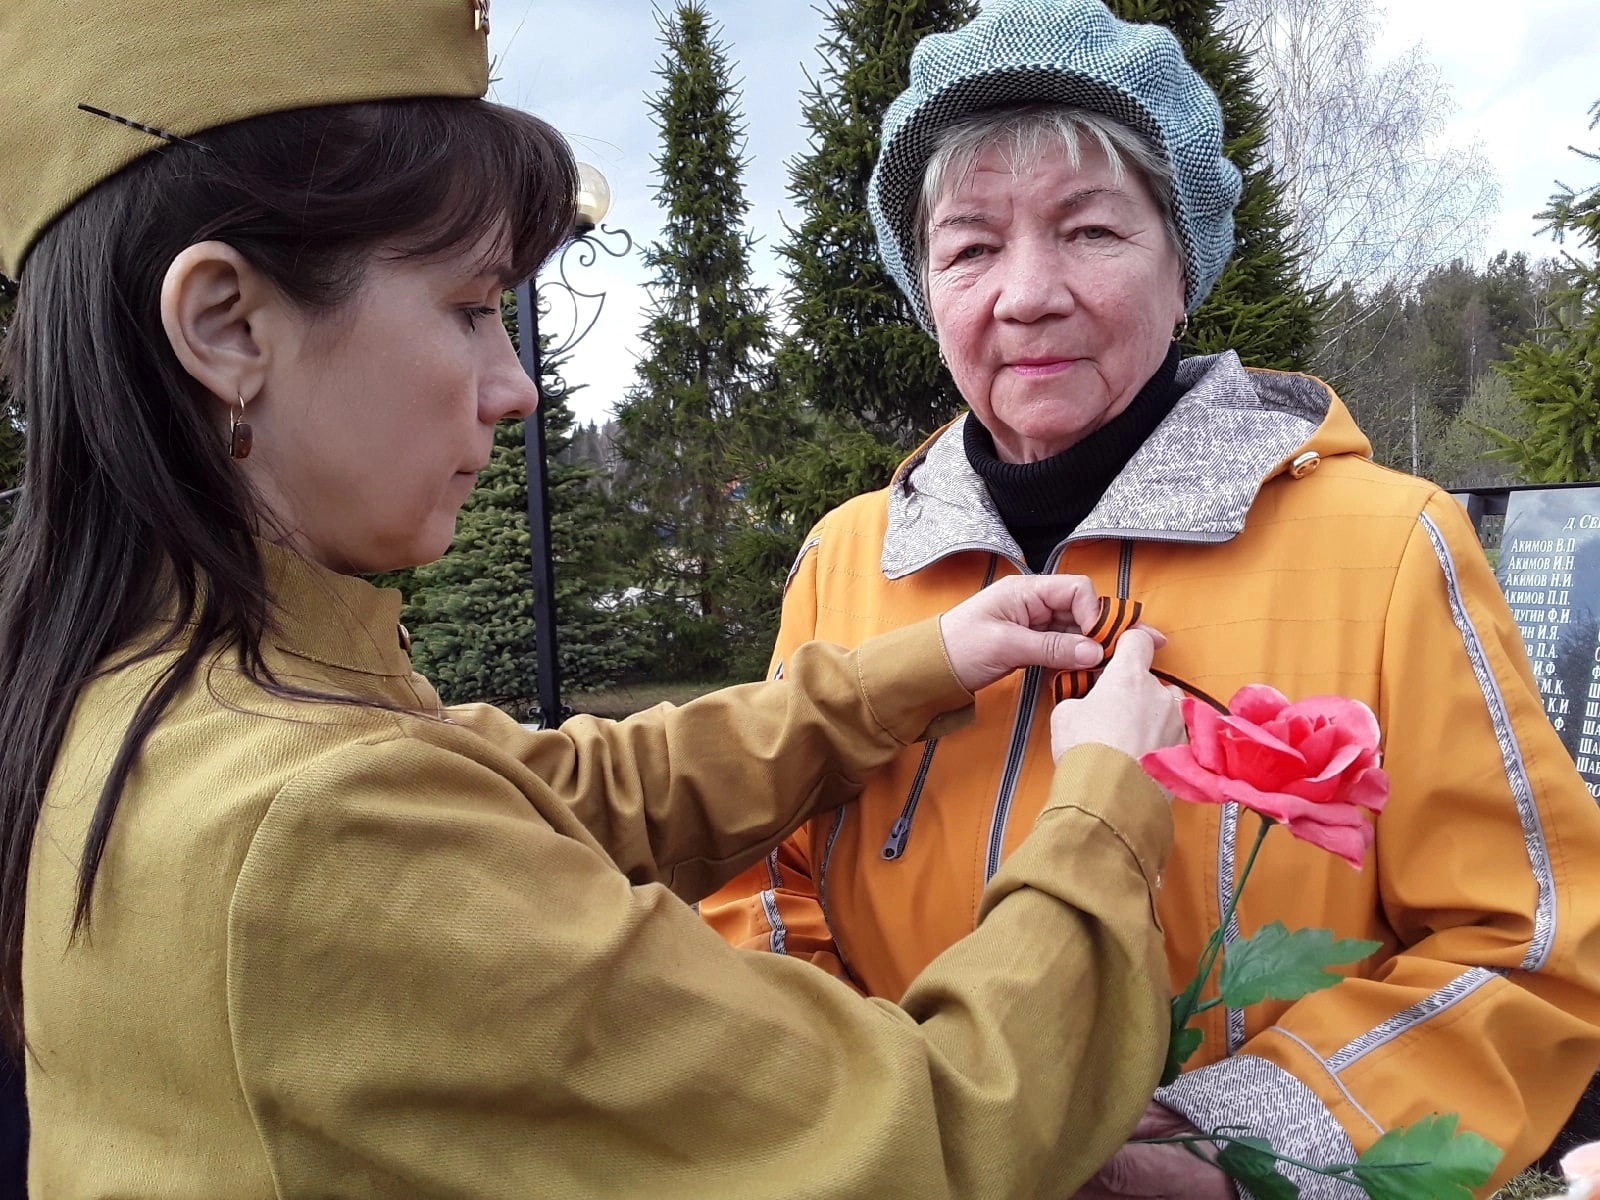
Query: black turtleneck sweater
{"x":1042,"y":502}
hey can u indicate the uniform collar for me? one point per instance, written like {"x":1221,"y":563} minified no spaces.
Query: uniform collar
{"x":334,"y":619}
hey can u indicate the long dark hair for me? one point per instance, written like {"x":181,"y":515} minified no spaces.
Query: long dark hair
{"x":133,"y":517}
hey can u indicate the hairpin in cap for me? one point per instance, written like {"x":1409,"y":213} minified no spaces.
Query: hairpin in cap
{"x":143,"y":128}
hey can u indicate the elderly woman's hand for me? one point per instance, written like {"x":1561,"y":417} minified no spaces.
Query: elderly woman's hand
{"x":1021,"y":621}
{"x":1158,"y":1172}
{"x":1128,"y":708}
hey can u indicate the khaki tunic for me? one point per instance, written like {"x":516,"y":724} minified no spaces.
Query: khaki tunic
{"x":340,"y":951}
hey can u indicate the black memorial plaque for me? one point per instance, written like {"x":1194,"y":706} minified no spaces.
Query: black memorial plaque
{"x":1550,"y":573}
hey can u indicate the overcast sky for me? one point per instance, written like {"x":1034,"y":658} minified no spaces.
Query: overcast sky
{"x":1523,"y":77}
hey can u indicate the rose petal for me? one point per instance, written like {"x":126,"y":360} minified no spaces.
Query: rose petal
{"x":1350,"y":715}
{"x":1369,"y":790}
{"x":1582,"y":1163}
{"x":1318,"y":745}
{"x":1266,"y":763}
{"x":1300,"y":728}
{"x":1349,"y":842}
{"x":1268,"y":804}
{"x":1176,"y":769}
{"x":1344,"y":756}
{"x":1257,"y":702}
{"x":1266,"y":735}
{"x":1204,"y":724}
{"x":1283,"y":806}
{"x":1316,"y":791}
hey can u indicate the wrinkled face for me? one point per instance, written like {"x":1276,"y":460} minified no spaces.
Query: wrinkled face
{"x":369,"y":433}
{"x":1054,"y":292}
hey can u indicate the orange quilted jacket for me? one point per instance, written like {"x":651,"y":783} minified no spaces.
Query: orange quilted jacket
{"x":1269,"y":548}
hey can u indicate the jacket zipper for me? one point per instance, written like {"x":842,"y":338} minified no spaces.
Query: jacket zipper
{"x":1026,"y":706}
{"x":900,"y":832}
{"x":1027,"y":702}
{"x":822,"y":894}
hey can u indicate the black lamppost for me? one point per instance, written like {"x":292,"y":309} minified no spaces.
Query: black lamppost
{"x":594,"y":199}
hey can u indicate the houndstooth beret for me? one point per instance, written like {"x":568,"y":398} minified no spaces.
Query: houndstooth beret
{"x":1069,"y":52}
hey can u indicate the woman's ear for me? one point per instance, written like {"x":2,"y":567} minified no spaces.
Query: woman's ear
{"x":216,"y":310}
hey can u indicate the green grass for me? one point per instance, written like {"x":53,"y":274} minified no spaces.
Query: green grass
{"x":1530,"y":1185}
{"x":622,"y":701}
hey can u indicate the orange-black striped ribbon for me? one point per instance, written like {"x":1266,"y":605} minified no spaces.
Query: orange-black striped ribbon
{"x":1116,"y":616}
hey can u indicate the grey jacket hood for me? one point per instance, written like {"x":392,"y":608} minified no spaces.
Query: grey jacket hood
{"x":1193,"y":480}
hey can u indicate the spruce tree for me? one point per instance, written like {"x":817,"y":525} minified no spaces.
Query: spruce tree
{"x":855,"y":352}
{"x":471,"y":613}
{"x":695,"y":419}
{"x":1555,"y":375}
{"x":1260,"y":306}
{"x":857,"y":378}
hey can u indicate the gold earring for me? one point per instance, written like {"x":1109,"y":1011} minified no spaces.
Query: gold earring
{"x":1181,"y":328}
{"x":240,"y":438}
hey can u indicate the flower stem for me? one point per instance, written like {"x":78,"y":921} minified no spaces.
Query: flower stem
{"x":1338,"y":1169}
{"x":1213,"y":947}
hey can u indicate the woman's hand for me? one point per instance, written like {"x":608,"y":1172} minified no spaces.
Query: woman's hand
{"x":1021,"y":621}
{"x":1162,"y":1172}
{"x":1128,"y":708}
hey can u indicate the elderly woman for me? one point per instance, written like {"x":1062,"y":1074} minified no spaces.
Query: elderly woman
{"x":1053,"y":199}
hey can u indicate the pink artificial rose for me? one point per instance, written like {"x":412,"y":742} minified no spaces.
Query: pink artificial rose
{"x":1312,"y":765}
{"x":1582,"y":1170}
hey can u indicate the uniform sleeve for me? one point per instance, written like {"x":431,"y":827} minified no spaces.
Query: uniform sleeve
{"x":430,"y":992}
{"x":774,"y":905}
{"x":1485,"y":858}
{"x":690,"y":796}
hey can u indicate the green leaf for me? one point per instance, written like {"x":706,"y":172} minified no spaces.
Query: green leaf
{"x":1251,"y":1161}
{"x":1278,"y":965}
{"x":1426,"y":1161}
{"x":1181,"y":1045}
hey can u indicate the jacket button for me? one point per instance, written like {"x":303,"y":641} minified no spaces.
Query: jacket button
{"x":1305,"y":464}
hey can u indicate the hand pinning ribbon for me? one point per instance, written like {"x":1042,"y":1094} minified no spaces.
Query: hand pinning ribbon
{"x":1117,"y":615}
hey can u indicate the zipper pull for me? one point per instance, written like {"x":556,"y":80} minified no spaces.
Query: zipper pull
{"x":899,"y":834}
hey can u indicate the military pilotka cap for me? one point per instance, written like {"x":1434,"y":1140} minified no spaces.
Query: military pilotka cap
{"x":184,"y":66}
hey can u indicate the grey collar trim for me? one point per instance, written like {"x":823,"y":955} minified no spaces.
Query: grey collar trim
{"x":1193,"y":480}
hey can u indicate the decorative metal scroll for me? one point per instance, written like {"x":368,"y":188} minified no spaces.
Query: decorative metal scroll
{"x":562,"y":297}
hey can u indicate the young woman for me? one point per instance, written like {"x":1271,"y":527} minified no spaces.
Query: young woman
{"x":272,"y":921}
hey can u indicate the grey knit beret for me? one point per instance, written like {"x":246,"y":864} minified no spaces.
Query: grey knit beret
{"x":1070,"y":52}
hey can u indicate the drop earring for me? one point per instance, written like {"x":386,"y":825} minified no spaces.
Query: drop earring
{"x":240,"y":437}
